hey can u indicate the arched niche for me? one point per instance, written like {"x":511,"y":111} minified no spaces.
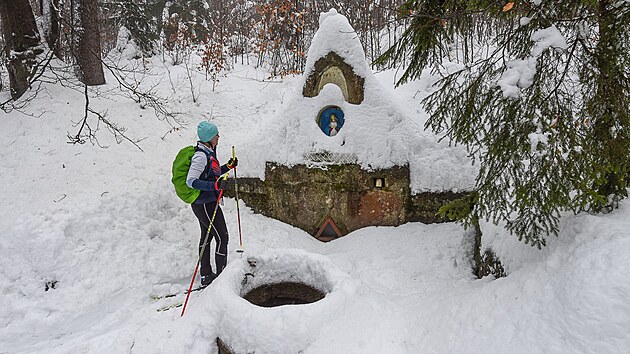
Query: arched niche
{"x":334,"y":75}
{"x":333,"y":69}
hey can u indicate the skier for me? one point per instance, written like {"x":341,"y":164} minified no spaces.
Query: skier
{"x":203,"y":175}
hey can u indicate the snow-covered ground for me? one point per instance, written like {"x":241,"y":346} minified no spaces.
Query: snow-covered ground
{"x":105,"y":225}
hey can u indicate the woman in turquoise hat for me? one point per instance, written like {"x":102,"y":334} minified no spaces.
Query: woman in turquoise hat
{"x":203,"y":175}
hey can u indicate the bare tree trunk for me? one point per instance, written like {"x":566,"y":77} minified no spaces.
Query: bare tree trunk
{"x":51,"y":10}
{"x":21,"y":40}
{"x":88,"y":43}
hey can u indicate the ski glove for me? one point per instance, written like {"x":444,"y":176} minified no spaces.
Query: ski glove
{"x":232,"y":162}
{"x":222,"y":184}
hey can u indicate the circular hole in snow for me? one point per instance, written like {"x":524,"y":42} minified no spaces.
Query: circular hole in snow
{"x":314,"y":285}
{"x":285,"y":293}
{"x":279,"y":281}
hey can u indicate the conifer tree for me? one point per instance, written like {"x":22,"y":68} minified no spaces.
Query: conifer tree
{"x":543,"y":107}
{"x":140,"y":17}
{"x":195,"y":15}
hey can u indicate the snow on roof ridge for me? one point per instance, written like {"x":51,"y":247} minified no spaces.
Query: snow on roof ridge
{"x":325,"y":15}
{"x":346,"y":43}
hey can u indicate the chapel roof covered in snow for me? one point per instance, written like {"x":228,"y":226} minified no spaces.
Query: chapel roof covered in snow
{"x":339,"y":110}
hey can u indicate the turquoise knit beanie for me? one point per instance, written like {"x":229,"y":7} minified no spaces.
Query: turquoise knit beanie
{"x":206,"y":131}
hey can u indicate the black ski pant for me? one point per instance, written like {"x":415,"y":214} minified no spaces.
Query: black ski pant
{"x":219,"y":232}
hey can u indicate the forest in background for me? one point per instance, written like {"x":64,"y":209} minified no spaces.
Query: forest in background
{"x":221,"y":32}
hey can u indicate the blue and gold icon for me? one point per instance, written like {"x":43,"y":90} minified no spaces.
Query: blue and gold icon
{"x":330,"y":120}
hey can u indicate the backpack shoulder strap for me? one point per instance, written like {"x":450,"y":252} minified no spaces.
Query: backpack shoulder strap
{"x":204,"y":175}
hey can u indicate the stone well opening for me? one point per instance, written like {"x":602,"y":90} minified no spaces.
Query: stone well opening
{"x":285,"y":293}
{"x":284,"y":281}
{"x":301,"y":287}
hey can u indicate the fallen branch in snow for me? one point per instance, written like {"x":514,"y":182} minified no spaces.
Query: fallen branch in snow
{"x":80,"y":137}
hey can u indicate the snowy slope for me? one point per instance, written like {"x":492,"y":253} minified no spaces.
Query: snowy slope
{"x":106,"y":225}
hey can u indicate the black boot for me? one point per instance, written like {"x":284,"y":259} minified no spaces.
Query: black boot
{"x":207,"y":280}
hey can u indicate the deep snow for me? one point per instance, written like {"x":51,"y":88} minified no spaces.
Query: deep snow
{"x":106,"y":225}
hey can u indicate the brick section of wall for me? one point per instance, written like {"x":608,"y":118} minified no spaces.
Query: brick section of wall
{"x":304,"y":197}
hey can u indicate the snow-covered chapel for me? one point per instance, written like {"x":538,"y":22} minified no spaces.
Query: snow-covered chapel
{"x":344,"y":157}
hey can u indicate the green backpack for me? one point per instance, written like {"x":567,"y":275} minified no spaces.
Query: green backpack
{"x":181,"y":164}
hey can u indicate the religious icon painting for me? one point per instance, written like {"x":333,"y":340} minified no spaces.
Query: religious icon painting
{"x":330,"y":120}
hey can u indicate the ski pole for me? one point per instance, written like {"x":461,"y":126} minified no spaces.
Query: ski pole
{"x":203,"y":247}
{"x":238,"y":210}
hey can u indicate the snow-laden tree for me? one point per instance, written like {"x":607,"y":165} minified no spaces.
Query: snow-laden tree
{"x":240,"y":21}
{"x":142,"y":18}
{"x":542,"y":105}
{"x":192,"y":14}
